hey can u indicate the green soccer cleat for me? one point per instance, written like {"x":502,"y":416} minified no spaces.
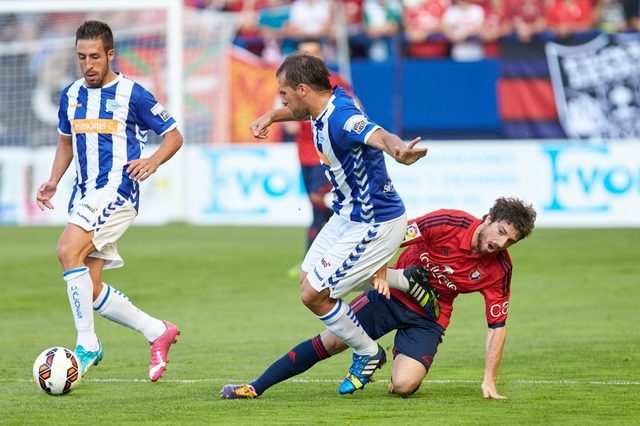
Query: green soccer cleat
{"x":89,"y":358}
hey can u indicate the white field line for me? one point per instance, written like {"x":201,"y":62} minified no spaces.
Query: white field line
{"x":444,"y":381}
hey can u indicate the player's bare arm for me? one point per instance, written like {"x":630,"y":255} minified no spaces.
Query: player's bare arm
{"x":396,"y":148}
{"x":142,"y":168}
{"x":495,"y":343}
{"x":260,"y":127}
{"x":61,"y":162}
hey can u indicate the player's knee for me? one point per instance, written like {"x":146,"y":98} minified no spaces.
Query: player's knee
{"x":405,"y":388}
{"x":309,"y":296}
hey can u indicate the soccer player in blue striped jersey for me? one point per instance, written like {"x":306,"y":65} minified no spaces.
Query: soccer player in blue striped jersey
{"x":369,"y":219}
{"x":103,"y":122}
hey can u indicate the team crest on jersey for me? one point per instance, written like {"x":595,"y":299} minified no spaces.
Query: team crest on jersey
{"x":413,"y":232}
{"x":159,"y":110}
{"x":475,"y":274}
{"x":113,"y":105}
{"x":356,"y":123}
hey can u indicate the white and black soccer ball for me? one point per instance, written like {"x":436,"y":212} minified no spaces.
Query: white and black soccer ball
{"x":57,"y":371}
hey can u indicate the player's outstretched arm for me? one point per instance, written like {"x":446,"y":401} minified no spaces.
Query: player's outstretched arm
{"x":142,"y":168}
{"x":260,"y":127}
{"x":61,"y":161}
{"x":495,"y":343}
{"x":395,"y":147}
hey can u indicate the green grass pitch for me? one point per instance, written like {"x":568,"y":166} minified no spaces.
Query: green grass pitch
{"x":572,"y":354}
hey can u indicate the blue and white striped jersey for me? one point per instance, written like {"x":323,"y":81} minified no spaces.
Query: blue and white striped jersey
{"x":362,"y":189}
{"x":109,"y":126}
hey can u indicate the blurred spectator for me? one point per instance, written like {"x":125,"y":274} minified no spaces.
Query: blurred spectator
{"x":632,"y":12}
{"x":565,"y":17}
{"x":462,"y":25}
{"x":272,"y":24}
{"x":381,"y":22}
{"x":310,"y":18}
{"x":423,"y":18}
{"x":611,"y":16}
{"x":497,"y":20}
{"x":423,"y":26}
{"x":529,"y":19}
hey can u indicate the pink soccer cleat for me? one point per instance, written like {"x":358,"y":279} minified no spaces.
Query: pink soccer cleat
{"x":160,"y":351}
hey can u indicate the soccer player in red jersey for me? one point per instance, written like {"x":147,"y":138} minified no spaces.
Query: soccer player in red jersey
{"x":456,"y":253}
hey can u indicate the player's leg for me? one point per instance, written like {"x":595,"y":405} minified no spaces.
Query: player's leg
{"x":407,"y":375}
{"x":372,"y":312}
{"x":296,"y":361}
{"x":115,"y":305}
{"x":73,"y":246}
{"x":415,"y":347}
{"x":317,"y":188}
{"x":355,"y":252}
{"x":415,"y":281}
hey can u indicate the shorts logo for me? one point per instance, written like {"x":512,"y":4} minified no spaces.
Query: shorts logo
{"x":88,"y":207}
{"x":356,"y":123}
{"x":112,"y":105}
{"x":86,"y":219}
{"x":427,"y":360}
{"x":325,"y":263}
{"x":413,"y":232}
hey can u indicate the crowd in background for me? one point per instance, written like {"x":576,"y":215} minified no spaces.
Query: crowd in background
{"x":461,"y":29}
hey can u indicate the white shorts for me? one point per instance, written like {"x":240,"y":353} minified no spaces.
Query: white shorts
{"x":346,"y":254}
{"x":108,"y":215}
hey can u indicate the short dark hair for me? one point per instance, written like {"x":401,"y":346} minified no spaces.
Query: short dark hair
{"x":303,"y":68}
{"x":92,"y":30}
{"x":515,"y":212}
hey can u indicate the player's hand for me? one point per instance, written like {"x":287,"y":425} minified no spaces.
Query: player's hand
{"x":45,"y":193}
{"x":260,"y":127}
{"x":410,"y":154}
{"x":142,"y":168}
{"x":489,"y":392}
{"x":380,"y":284}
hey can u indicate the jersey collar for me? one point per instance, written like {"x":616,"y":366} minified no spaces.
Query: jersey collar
{"x":465,"y":244}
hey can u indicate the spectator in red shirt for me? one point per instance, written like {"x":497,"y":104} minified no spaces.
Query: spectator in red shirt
{"x":456,"y":253}
{"x":528,"y":18}
{"x":565,"y":17}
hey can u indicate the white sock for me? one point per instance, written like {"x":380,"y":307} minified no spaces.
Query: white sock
{"x":396,"y":279}
{"x":116,"y":306}
{"x":80,"y":292}
{"x":342,"y":322}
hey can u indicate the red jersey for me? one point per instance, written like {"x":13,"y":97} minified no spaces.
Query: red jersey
{"x":304,"y":139}
{"x":441,"y":241}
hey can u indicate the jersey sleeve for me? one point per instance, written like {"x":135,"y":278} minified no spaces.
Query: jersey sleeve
{"x":152,"y":115}
{"x":64,"y":125}
{"x":496,"y":296}
{"x":352,"y":127}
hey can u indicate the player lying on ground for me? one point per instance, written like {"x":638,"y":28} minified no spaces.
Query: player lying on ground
{"x":456,"y":253}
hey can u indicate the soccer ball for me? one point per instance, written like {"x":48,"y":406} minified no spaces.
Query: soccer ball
{"x":57,"y":371}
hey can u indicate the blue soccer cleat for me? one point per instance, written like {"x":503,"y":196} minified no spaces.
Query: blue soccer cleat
{"x":362,"y":368}
{"x":89,"y":358}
